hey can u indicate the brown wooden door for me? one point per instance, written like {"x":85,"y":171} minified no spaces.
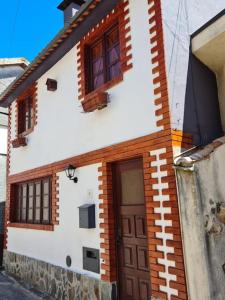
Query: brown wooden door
{"x":131,"y":235}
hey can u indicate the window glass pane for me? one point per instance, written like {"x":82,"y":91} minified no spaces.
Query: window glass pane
{"x":33,"y":202}
{"x":38,"y":188}
{"x":37,"y":215}
{"x":31,"y":190}
{"x":46,"y":215}
{"x":30,"y":215}
{"x":24,"y":188}
{"x":132,"y":185}
{"x":113,"y":38}
{"x":114,"y":54}
{"x":97,"y":66}
{"x":18,"y":204}
{"x":114,"y":70}
{"x":24,"y":214}
{"x":97,"y":51}
{"x":46,"y":201}
{"x":37,"y":212}
{"x":46,"y":186}
{"x":98,"y":81}
{"x":25,"y":114}
{"x":30,"y":202}
{"x":38,"y":202}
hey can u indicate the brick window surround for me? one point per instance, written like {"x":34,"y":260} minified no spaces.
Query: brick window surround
{"x":26,"y":107}
{"x":102,"y":59}
{"x":54,"y":203}
{"x":32,"y":202}
{"x":120,"y":16}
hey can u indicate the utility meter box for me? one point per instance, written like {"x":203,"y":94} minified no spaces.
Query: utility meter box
{"x":91,"y":260}
{"x":87,"y":216}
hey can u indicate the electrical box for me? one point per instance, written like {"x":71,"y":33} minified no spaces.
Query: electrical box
{"x":91,"y":260}
{"x":87,"y":216}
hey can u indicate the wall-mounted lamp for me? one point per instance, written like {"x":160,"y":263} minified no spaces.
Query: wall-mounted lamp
{"x":70,"y":171}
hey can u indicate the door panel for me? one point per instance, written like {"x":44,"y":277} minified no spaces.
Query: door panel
{"x":132,"y":243}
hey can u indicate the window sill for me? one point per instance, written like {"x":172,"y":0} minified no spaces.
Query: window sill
{"x":25,"y":133}
{"x":19,"y":142}
{"x":97,"y":101}
{"x":32,"y":226}
{"x":102,"y":89}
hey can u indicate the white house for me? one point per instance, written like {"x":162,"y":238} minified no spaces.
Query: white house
{"x":94,"y":123}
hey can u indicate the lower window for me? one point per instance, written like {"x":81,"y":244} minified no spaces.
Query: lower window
{"x":33,"y":202}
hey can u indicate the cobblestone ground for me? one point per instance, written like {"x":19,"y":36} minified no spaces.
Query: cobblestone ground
{"x":10,"y":289}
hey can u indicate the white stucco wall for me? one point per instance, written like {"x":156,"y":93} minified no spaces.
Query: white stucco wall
{"x":63,"y":130}
{"x":3,"y":140}
{"x":67,"y":238}
{"x":181,"y":18}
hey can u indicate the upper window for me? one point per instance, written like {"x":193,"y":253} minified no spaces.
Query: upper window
{"x":103,"y":59}
{"x":25,"y":115}
{"x":32,"y":202}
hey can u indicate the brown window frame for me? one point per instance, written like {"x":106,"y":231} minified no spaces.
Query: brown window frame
{"x":103,"y":40}
{"x":22,"y":202}
{"x":25,"y":115}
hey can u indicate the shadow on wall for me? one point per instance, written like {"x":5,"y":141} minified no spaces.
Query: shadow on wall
{"x":201,"y":111}
{"x":2,"y":213}
{"x":2,"y":217}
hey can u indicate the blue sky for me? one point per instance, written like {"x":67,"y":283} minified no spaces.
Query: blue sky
{"x":26,"y":26}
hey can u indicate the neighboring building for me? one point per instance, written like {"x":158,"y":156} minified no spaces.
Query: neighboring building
{"x":200,"y":176}
{"x":108,"y":100}
{"x":10,"y":68}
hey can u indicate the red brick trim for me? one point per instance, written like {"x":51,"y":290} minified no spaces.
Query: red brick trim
{"x":30,"y":92}
{"x":54,"y":206}
{"x":122,"y":150}
{"x":166,"y":251}
{"x":107,"y":224}
{"x":159,"y":65}
{"x":121,"y":15}
{"x":130,"y":149}
{"x":55,"y":199}
{"x":19,"y":141}
{"x":97,"y":100}
{"x":32,"y":226}
{"x":181,"y":139}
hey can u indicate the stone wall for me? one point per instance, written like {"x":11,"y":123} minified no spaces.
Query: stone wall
{"x":202,"y":206}
{"x":56,"y":281}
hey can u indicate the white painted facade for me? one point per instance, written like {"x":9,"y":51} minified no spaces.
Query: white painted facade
{"x":181,"y":18}
{"x":61,"y":122}
{"x":63,"y":130}
{"x":67,"y":238}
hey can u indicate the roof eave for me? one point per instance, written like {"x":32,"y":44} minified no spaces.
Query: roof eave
{"x":72,"y":33}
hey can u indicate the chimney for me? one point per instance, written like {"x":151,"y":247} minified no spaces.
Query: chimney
{"x":70,"y":8}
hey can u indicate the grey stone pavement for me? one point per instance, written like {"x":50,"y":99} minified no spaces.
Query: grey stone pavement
{"x":11,"y":289}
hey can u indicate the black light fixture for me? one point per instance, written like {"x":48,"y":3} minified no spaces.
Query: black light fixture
{"x":70,"y":171}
